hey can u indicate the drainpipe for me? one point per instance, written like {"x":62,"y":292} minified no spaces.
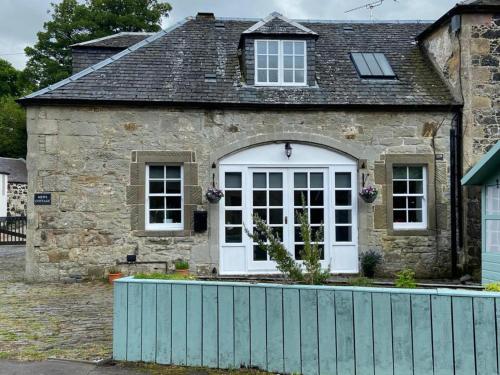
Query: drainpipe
{"x":456,"y":189}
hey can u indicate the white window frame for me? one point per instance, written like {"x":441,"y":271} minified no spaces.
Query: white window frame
{"x":281,"y":69}
{"x":424,"y":195}
{"x":164,"y":226}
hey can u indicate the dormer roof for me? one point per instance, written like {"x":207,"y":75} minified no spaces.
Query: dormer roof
{"x":277,"y":24}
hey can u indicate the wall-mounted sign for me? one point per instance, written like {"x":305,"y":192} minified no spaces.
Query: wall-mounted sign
{"x":43,"y":199}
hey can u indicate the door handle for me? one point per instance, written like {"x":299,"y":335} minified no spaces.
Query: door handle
{"x":286,"y":219}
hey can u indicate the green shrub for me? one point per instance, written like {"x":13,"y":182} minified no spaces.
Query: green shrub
{"x":492,"y":287}
{"x":406,"y":279}
{"x":360,"y":281}
{"x":369,"y":261}
{"x":163,"y":276}
{"x":181,"y":265}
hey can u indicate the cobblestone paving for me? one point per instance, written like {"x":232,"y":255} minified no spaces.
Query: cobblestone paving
{"x":39,"y":321}
{"x":12,"y":261}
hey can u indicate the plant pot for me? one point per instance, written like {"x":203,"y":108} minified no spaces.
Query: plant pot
{"x":212,"y":198}
{"x":182,"y":272}
{"x":369,"y":198}
{"x":113,"y":276}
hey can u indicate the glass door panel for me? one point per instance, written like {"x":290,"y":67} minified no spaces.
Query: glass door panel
{"x":343,"y":206}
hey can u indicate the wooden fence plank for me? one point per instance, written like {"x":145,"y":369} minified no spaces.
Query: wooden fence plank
{"x":401,"y":334}
{"x":291,"y":331}
{"x":382,"y":334}
{"x":345,"y":332}
{"x":226,"y":327}
{"x":309,"y":331}
{"x":274,"y":321}
{"x":241,"y":326}
{"x":134,"y":321}
{"x":258,"y":355}
{"x":194,"y":326}
{"x":421,"y":334}
{"x":210,"y":327}
{"x":463,"y":336}
{"x":179,"y":326}
{"x":497,"y":315}
{"x":485,"y":326}
{"x":442,"y":330}
{"x":326,"y":332}
{"x":363,"y":333}
{"x":120,"y":322}
{"x":148,"y":334}
{"x":164,"y":324}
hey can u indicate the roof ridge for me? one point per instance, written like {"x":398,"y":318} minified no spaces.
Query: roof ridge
{"x":111,"y":37}
{"x":326,"y":21}
{"x":108,"y":61}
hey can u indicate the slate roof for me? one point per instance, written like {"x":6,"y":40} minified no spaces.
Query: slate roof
{"x":277,"y":24}
{"x":15,"y":168}
{"x":170,"y":67}
{"x":120,"y":41}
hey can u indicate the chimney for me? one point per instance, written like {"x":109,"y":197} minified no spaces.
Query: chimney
{"x":205,"y":16}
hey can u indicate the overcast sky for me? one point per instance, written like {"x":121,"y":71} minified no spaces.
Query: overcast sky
{"x":20,"y":20}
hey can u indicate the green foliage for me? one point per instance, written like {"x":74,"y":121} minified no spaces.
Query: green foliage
{"x":492,"y":287}
{"x":406,"y":279}
{"x":360,"y":281}
{"x":114,"y":270}
{"x":13,"y":136}
{"x":181,"y":265}
{"x":9,"y":79}
{"x":369,"y":261}
{"x":74,"y":22}
{"x":163,"y":276}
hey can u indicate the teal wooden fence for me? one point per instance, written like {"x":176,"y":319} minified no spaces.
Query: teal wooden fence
{"x":305,"y":329}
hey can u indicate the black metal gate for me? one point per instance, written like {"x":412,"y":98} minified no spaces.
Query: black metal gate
{"x":13,"y":230}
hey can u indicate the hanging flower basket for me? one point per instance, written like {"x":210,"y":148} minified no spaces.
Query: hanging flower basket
{"x":214,"y":195}
{"x":369,"y":194}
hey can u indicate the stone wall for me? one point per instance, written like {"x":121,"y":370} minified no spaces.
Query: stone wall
{"x":470,"y":62}
{"x":83,"y":156}
{"x":17,"y":199}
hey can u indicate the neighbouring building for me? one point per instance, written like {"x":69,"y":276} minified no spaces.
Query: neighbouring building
{"x":268,"y":111}
{"x":13,"y":187}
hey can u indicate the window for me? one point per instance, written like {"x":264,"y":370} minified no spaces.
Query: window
{"x":343,"y":207}
{"x":492,"y":219}
{"x":233,"y":220}
{"x":164,"y":198}
{"x":280,"y":62}
{"x":372,"y":65}
{"x":409,"y":188}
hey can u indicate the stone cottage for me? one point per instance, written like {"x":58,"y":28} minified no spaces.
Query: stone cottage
{"x":268,"y":111}
{"x":13,"y":187}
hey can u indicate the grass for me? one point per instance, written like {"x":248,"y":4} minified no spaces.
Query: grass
{"x":177,"y":370}
{"x":163,"y":276}
{"x":360,"y":281}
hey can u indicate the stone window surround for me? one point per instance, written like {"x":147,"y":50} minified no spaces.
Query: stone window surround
{"x":383,"y":176}
{"x":136,"y":190}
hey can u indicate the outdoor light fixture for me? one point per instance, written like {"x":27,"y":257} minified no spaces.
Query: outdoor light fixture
{"x":288,"y":149}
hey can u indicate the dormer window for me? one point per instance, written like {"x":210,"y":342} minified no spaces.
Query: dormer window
{"x":280,"y":62}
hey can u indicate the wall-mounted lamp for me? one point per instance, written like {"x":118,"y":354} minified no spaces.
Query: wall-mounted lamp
{"x":288,"y":149}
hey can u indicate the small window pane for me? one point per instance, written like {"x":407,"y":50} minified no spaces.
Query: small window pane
{"x":316,"y":180}
{"x":343,"y":216}
{"x":276,"y":216}
{"x":259,"y":254}
{"x":276,"y":198}
{"x":273,"y":75}
{"x":342,"y":180}
{"x":297,"y":212}
{"x":415,"y":216}
{"x":173,"y":202}
{"x":262,"y":213}
{"x":234,"y":234}
{"x":399,"y":173}
{"x":300,"y":198}
{"x":288,"y":48}
{"x":399,"y":216}
{"x":414,"y":202}
{"x":278,"y":232}
{"x":343,"y":198}
{"x":156,"y":171}
{"x":298,"y":251}
{"x":233,"y":217}
{"x":415,"y":173}
{"x":262,"y":75}
{"x":399,"y":202}
{"x":173,"y":217}
{"x":288,"y":76}
{"x":299,"y":62}
{"x":261,"y":47}
{"x":273,"y":62}
{"x":259,"y":180}
{"x":233,"y":180}
{"x":317,"y":198}
{"x":343,"y":234}
{"x":262,"y":61}
{"x":173,"y":172}
{"x":299,"y":76}
{"x":156,"y":203}
{"x":492,"y":201}
{"x":156,"y":187}
{"x":233,"y":198}
{"x":299,"y":48}
{"x":173,"y":187}
{"x":373,"y":65}
{"x":288,"y":62}
{"x":298,"y":234}
{"x":399,"y":187}
{"x":300,"y":180}
{"x":275,"y":180}
{"x":493,"y":236}
{"x":156,"y":217}
{"x":317,"y":216}
{"x":259,"y":198}
{"x":416,"y":187}
{"x":273,"y":48}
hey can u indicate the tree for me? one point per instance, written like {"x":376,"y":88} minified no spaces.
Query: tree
{"x":12,"y":128}
{"x":9,"y":79}
{"x":49,"y":60}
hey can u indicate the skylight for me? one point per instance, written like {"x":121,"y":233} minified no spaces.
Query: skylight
{"x":372,"y":65}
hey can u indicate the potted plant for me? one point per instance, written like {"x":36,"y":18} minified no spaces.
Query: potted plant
{"x":369,"y":194}
{"x":113,"y":274}
{"x":369,"y":261}
{"x":182,"y":267}
{"x":214,"y":195}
